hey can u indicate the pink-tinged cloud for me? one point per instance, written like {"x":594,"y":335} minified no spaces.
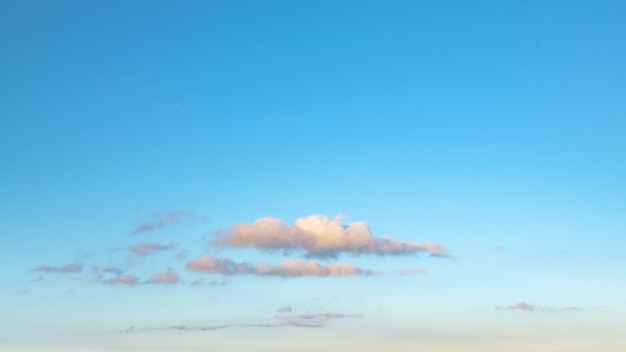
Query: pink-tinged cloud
{"x":147,"y":248}
{"x":207,"y":264}
{"x":319,"y":236}
{"x":161,"y":219}
{"x":410,"y":271}
{"x":523,"y":306}
{"x":289,"y":268}
{"x":64,"y":269}
{"x":294,"y":267}
{"x":129,"y":280}
{"x":164,"y":278}
{"x":285,"y":309}
{"x":314,"y":320}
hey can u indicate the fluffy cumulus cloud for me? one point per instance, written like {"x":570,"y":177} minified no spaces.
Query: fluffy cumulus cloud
{"x":147,"y":248}
{"x":164,"y":278}
{"x":319,"y":236}
{"x":289,"y":268}
{"x":63,"y":269}
{"x":160,"y":219}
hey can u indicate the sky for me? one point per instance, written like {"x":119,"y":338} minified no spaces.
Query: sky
{"x":312,"y":175}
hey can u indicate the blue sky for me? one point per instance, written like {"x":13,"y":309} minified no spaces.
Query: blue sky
{"x":339,"y":175}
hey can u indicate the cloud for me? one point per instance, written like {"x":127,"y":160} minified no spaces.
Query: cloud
{"x":318,"y":320}
{"x":147,"y":248}
{"x":99,"y":272}
{"x":315,"y":320}
{"x":179,"y":327}
{"x":164,"y":278}
{"x":294,"y":267}
{"x":222,"y":282}
{"x":319,"y":236}
{"x":182,"y":255}
{"x":160,"y":219}
{"x":198,"y":328}
{"x":527,"y":307}
{"x":196,"y":283}
{"x":207,"y":264}
{"x":129,"y":280}
{"x":410,"y":271}
{"x":289,"y":268}
{"x":285,"y":309}
{"x":76,"y":267}
{"x":523,"y":306}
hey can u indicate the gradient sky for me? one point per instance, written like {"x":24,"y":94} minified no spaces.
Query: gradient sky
{"x":312,"y":175}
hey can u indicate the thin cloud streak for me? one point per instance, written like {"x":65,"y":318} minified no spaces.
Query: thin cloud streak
{"x":161,"y":219}
{"x":318,"y":320}
{"x":289,"y":268}
{"x":319,"y":236}
{"x":315,"y":320}
{"x":64,"y":269}
{"x":285,"y":309}
{"x":410,"y":271}
{"x":147,"y":248}
{"x":527,"y":307}
{"x":100,"y":272}
{"x":222,"y":282}
{"x":129,"y":280}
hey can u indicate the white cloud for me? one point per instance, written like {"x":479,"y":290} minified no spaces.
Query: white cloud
{"x":320,"y":236}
